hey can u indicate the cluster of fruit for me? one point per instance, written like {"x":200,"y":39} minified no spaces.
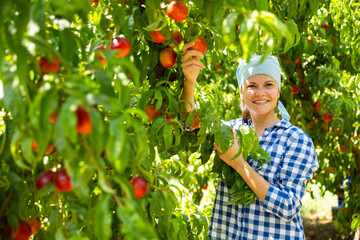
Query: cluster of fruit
{"x":178,"y":11}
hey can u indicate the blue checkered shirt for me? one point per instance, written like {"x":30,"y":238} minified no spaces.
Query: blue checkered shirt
{"x":293,"y":162}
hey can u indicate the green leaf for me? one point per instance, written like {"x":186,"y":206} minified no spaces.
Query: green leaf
{"x":159,"y":99}
{"x":115,"y":144}
{"x":145,"y":98}
{"x":97,"y":133}
{"x":103,"y":182}
{"x":228,"y":27}
{"x":27,"y":151}
{"x":140,"y":145}
{"x":59,"y":235}
{"x":262,"y":5}
{"x":67,"y":118}
{"x":355,"y":223}
{"x":223,"y":137}
{"x":292,"y":36}
{"x":13,"y":99}
{"x":157,"y":25}
{"x":134,"y":226}
{"x":69,"y":45}
{"x":206,"y":148}
{"x":239,"y":5}
{"x":168,"y":136}
{"x":103,"y":218}
{"x":15,"y":150}
{"x":155,"y":128}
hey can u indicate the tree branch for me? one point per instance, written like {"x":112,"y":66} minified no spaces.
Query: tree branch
{"x":5,"y":205}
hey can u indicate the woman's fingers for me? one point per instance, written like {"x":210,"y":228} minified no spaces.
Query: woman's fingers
{"x":188,"y":45}
{"x":194,"y":62}
{"x":191,"y":54}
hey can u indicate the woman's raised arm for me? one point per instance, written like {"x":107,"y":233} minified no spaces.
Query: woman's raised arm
{"x":191,"y":66}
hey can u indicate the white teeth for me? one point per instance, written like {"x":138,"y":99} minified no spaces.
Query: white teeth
{"x":260,"y":101}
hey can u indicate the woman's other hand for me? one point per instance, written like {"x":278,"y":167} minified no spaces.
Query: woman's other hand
{"x":230,"y":154}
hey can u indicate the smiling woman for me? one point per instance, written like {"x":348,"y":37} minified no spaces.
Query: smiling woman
{"x":260,"y":96}
{"x":279,"y":185}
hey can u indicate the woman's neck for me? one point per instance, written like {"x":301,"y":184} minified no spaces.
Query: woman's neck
{"x":260,"y":123}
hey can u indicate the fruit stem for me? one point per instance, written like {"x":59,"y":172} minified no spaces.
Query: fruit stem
{"x":98,"y":168}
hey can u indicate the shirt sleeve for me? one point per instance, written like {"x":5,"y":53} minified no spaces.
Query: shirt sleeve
{"x":299,"y":164}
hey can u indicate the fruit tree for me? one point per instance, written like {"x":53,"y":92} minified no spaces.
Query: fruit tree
{"x":92,"y":138}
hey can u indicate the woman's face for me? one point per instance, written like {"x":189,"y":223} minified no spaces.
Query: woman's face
{"x":260,"y":93}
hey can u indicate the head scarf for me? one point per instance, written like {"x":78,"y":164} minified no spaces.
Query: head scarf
{"x":269,"y":66}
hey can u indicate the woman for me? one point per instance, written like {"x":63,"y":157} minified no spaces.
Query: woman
{"x":279,"y":186}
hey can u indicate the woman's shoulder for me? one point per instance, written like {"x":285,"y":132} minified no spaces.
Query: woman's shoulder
{"x":294,"y":132}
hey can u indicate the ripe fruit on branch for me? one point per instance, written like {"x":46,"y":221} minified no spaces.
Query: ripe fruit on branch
{"x":310,"y":39}
{"x":168,"y":119}
{"x":176,"y":35}
{"x":140,"y":186}
{"x":157,"y":37}
{"x":196,"y":122}
{"x":102,"y":60}
{"x":297,"y":61}
{"x":53,"y":116}
{"x":44,"y":178}
{"x":49,"y":148}
{"x":62,"y":180}
{"x":168,"y":57}
{"x":200,"y":45}
{"x":94,"y":3}
{"x":294,"y":89}
{"x":23,"y":232}
{"x":317,"y":105}
{"x":151,"y":113}
{"x":312,"y":234}
{"x":35,"y":224}
{"x":324,"y":26}
{"x":122,"y":45}
{"x":343,"y":148}
{"x":330,"y":169}
{"x":7,"y":231}
{"x":47,"y":66}
{"x":99,"y":48}
{"x":327,"y":117}
{"x":177,"y":11}
{"x":84,"y":124}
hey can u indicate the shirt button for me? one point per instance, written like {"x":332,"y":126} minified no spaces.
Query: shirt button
{"x":239,"y":232}
{"x":240,"y":215}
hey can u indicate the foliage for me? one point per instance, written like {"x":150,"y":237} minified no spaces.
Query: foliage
{"x":317,"y":43}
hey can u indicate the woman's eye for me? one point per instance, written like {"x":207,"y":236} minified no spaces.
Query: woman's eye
{"x":269,"y":84}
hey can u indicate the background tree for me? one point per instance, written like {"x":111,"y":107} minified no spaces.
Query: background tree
{"x":92,"y":144}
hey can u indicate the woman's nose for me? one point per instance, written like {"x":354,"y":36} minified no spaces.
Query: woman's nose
{"x":259,"y":91}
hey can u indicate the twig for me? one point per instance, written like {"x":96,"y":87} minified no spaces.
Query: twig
{"x":4,"y":206}
{"x":62,"y":213}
